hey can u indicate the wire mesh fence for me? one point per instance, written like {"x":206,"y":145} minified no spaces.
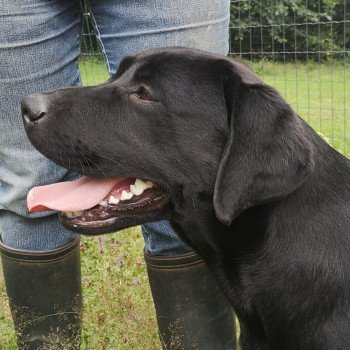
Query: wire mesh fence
{"x":301,"y":47}
{"x":92,"y":65}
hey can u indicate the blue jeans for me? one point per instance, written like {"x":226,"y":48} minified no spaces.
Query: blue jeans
{"x":39,"y":49}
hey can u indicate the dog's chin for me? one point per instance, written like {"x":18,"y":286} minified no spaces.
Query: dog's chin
{"x":152,"y":205}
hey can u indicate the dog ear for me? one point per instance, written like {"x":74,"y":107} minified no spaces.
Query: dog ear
{"x":267,"y":155}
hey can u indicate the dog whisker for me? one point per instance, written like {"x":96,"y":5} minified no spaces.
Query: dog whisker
{"x":81,"y":165}
{"x":101,"y":170}
{"x":61,"y":158}
{"x":113,"y":160}
{"x":87,"y":160}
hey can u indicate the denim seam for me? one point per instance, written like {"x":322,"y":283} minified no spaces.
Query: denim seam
{"x":169,"y":29}
{"x":39,"y":75}
{"x":148,"y":240}
{"x":8,"y":46}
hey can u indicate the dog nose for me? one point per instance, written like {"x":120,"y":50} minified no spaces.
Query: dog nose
{"x":34,"y":108}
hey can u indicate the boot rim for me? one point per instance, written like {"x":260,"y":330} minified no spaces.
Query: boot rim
{"x":172,"y":261}
{"x":39,"y":256}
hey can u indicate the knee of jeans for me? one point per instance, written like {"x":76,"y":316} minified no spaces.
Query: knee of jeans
{"x":16,"y":183}
{"x":42,"y":234}
{"x":15,"y":200}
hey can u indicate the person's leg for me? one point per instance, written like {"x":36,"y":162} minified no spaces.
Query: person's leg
{"x":126,"y":27}
{"x":39,"y":46}
{"x":191,"y":311}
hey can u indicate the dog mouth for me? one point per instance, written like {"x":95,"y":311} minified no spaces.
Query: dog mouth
{"x":94,"y":206}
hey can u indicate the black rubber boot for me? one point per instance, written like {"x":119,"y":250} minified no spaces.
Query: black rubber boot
{"x":192,"y":313}
{"x":44,"y":290}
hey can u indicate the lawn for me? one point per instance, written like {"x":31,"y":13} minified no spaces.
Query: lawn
{"x":118,"y":312}
{"x":320,"y":93}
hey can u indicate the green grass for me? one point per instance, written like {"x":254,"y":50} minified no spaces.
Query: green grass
{"x":320,"y":93}
{"x":118,"y":309}
{"x":93,"y":70}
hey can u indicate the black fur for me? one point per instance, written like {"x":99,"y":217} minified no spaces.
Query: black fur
{"x":253,"y":188}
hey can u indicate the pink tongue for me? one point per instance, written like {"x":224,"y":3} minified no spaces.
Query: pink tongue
{"x":77,"y":195}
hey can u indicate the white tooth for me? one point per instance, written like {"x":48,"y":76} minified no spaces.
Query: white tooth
{"x":136,"y":190}
{"x":113,"y":200}
{"x":103,"y":203}
{"x":140,"y":186}
{"x":126,"y":195}
{"x":144,"y":184}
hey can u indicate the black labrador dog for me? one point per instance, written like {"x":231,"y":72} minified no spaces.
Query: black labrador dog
{"x":200,"y":140}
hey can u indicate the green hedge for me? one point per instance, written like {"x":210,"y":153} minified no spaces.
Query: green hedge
{"x":290,"y":28}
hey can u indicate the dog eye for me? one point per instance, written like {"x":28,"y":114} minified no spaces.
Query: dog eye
{"x":143,"y":94}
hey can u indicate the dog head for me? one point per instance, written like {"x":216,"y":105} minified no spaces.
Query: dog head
{"x":202,"y":127}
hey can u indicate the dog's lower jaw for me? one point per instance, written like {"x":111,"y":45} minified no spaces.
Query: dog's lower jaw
{"x":117,"y":224}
